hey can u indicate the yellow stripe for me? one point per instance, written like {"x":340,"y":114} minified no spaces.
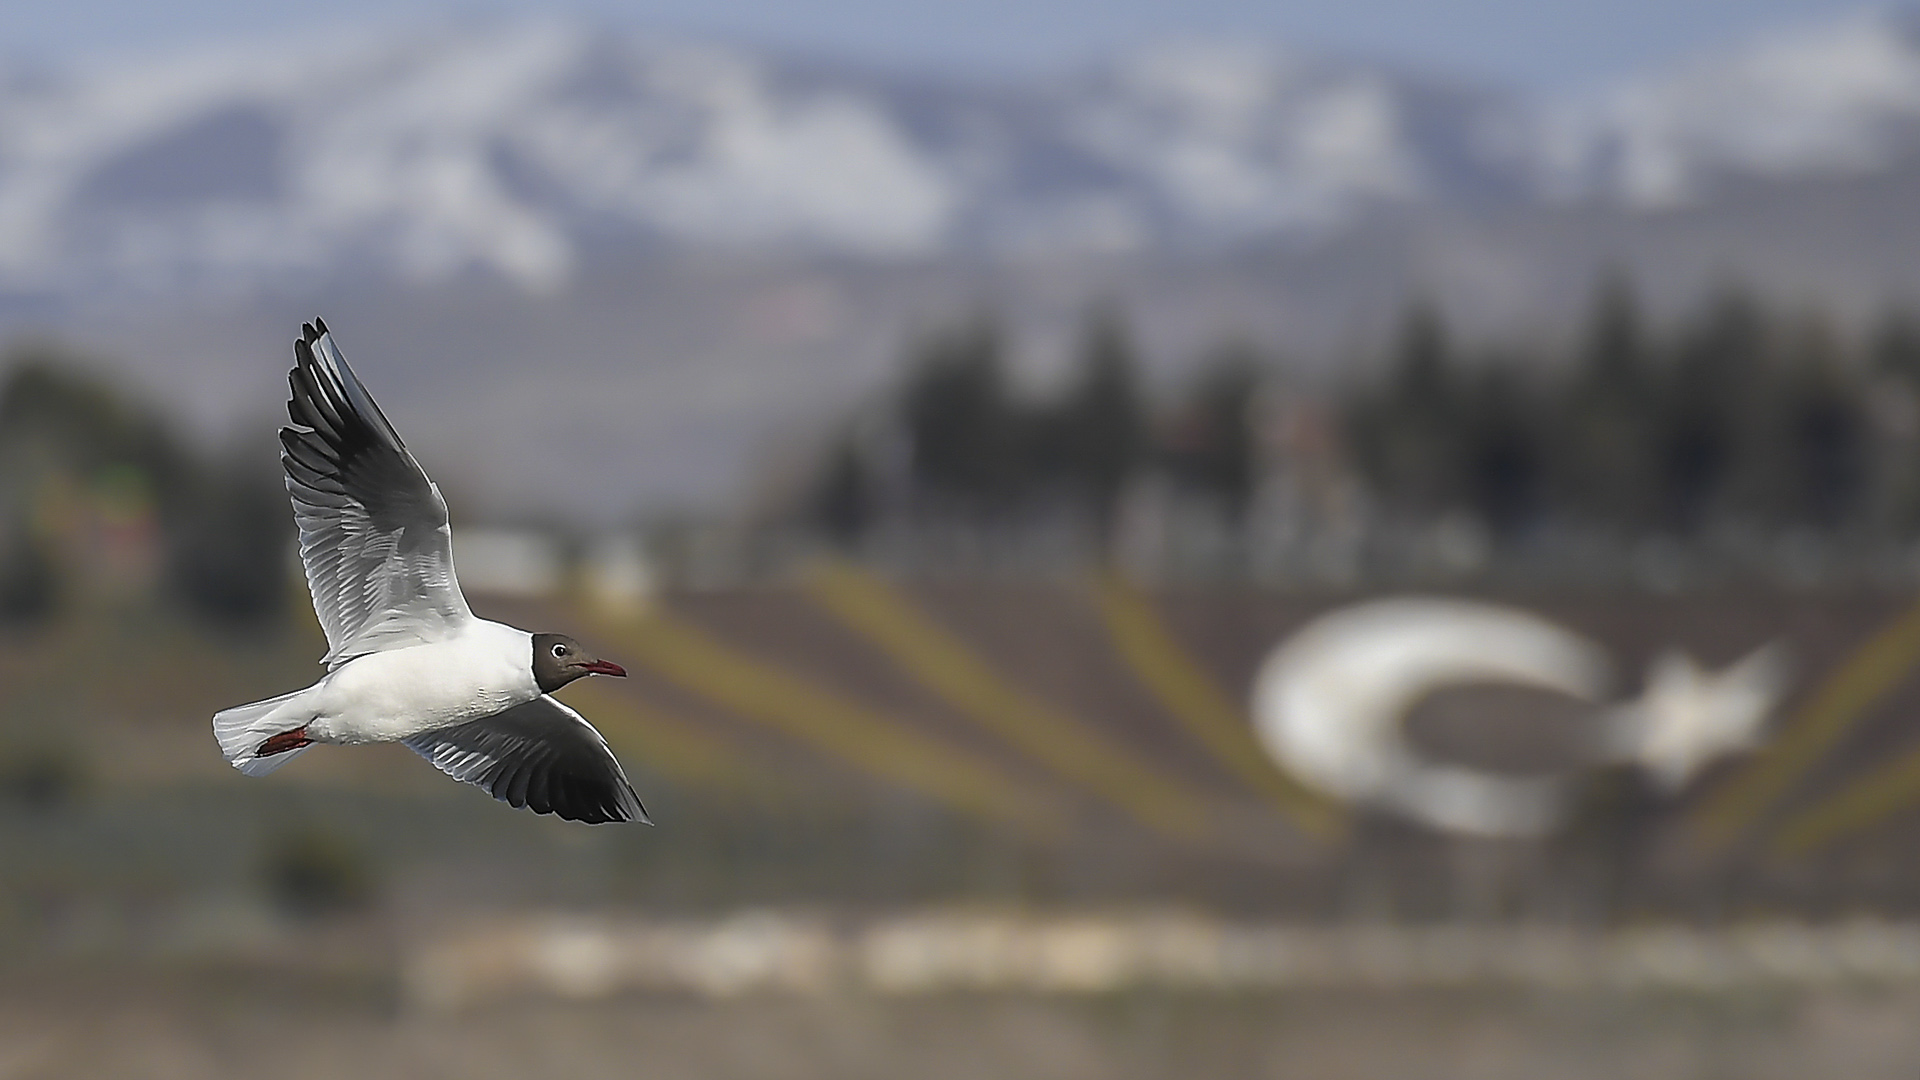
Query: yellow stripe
{"x":1867,"y":676}
{"x":948,"y":668}
{"x":764,"y":692}
{"x":667,"y":742}
{"x":1192,"y":697}
{"x":1886,"y":791}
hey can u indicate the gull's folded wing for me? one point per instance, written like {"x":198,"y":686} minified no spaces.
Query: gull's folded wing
{"x":373,"y":529}
{"x":541,"y":755}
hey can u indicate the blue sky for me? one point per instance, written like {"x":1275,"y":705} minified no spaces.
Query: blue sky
{"x":1550,"y":45}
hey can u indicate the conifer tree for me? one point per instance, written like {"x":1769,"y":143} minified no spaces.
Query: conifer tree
{"x":1709,"y":390}
{"x":960,"y":422}
{"x":1501,"y":449}
{"x":1100,"y":426}
{"x":1405,"y":432}
{"x":1603,"y":447}
{"x":1209,"y":446}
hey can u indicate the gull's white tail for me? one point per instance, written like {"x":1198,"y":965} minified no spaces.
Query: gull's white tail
{"x":241,"y":729}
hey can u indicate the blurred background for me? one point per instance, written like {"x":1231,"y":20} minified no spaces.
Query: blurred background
{"x":1152,"y":540}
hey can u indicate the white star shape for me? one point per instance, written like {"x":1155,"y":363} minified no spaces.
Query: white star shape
{"x":1688,"y":716}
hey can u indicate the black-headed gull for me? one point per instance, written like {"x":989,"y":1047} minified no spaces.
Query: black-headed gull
{"x":406,"y":660}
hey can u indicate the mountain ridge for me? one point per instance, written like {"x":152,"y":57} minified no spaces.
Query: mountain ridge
{"x":513,"y":148}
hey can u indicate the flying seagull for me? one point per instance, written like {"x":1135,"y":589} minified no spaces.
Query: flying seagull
{"x":406,"y":660}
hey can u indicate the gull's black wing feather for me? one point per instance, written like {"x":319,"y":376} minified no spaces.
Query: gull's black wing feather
{"x":542,"y":756}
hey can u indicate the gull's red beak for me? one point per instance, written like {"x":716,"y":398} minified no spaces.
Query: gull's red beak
{"x":604,"y":667}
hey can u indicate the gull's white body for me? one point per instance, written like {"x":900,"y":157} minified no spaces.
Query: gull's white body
{"x":393,"y":695}
{"x":484,"y":668}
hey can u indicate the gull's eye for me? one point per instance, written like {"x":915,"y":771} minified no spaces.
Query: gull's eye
{"x":559,"y":651}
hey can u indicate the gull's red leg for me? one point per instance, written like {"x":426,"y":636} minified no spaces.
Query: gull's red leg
{"x":283,"y":742}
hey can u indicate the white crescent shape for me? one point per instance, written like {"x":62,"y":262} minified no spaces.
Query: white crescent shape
{"x":1329,"y":701}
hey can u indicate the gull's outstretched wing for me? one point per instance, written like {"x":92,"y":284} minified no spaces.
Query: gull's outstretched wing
{"x":541,"y":755}
{"x":373,"y":529}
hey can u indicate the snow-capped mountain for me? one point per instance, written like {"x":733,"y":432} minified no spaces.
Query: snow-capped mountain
{"x":1843,"y":98}
{"x":514,"y":149}
{"x":519,"y":149}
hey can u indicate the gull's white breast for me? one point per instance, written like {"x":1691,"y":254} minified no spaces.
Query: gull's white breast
{"x":387,"y":696}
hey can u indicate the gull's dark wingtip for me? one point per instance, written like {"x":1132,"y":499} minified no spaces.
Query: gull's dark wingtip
{"x":630,"y":809}
{"x":322,"y":324}
{"x":601,"y":800}
{"x":618,"y":804}
{"x":624,"y":806}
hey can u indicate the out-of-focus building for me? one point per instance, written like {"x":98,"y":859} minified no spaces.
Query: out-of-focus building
{"x":509,"y":562}
{"x":616,"y":573}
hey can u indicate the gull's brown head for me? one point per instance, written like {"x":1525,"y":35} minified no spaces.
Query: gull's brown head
{"x":558,"y":660}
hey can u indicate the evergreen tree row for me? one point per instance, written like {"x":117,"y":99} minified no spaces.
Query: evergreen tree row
{"x":1734,"y":415}
{"x":978,"y":453}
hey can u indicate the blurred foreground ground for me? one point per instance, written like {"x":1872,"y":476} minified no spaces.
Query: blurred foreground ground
{"x":843,"y":755}
{"x":220,"y":1025}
